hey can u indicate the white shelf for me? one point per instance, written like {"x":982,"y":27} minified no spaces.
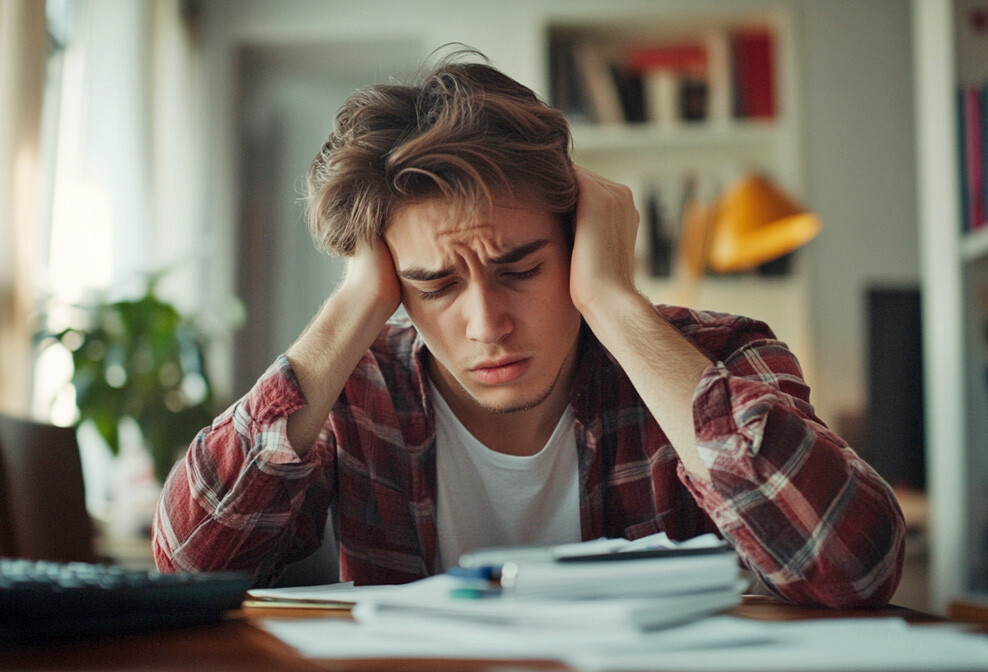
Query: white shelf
{"x":956,"y":429}
{"x":623,"y":137}
{"x":974,"y":246}
{"x":712,"y":151}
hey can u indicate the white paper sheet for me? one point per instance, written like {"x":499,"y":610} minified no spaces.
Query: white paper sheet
{"x":871,"y":645}
{"x":714,"y":643}
{"x":427,"y":638}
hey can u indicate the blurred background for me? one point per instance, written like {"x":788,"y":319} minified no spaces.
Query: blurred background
{"x":154,"y":258}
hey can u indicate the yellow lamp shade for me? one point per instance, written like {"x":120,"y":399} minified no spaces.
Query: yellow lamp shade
{"x":754,"y":223}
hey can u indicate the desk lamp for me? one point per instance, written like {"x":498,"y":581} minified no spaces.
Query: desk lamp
{"x":752,"y":223}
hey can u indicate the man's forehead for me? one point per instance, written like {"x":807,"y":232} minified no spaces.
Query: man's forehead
{"x":439,"y":220}
{"x":425,"y":239}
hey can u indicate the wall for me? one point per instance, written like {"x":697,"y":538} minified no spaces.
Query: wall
{"x":855,"y":88}
{"x":860,"y":174}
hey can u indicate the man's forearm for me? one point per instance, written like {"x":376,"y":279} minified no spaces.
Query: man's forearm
{"x":663,"y":365}
{"x":328,"y":350}
{"x":325,"y":355}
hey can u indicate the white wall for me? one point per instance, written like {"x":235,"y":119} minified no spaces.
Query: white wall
{"x":860,"y":175}
{"x":855,"y":92}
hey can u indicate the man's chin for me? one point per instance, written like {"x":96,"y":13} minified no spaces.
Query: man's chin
{"x":513,"y":407}
{"x":507,"y":401}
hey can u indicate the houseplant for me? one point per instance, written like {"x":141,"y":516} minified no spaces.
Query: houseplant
{"x":140,"y":359}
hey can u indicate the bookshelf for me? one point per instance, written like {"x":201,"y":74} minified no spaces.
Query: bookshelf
{"x":954,"y":259}
{"x":747,"y":123}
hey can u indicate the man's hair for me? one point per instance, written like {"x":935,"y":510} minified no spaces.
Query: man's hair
{"x":467,"y":133}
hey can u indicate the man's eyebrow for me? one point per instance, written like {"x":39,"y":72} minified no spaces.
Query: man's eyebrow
{"x":511,"y":256}
{"x":520,"y":252}
{"x":424,"y":274}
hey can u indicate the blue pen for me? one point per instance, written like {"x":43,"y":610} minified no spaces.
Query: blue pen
{"x":482,"y":573}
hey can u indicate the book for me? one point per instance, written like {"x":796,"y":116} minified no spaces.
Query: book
{"x":661,"y":91}
{"x":972,"y":100}
{"x":598,"y":85}
{"x":719,"y":78}
{"x":567,"y":89}
{"x":753,"y":53}
{"x":600,"y":585}
{"x":677,"y":56}
{"x":435,"y":597}
{"x":674,"y":80}
{"x":660,"y":239}
{"x":631,"y":92}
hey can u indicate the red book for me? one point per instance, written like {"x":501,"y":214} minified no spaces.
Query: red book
{"x":974,"y":158}
{"x":754,"y":66}
{"x":689,"y":56}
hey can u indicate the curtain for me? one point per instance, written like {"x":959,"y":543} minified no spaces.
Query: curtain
{"x":23,"y":50}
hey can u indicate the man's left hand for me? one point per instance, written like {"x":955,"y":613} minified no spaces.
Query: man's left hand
{"x":604,"y":240}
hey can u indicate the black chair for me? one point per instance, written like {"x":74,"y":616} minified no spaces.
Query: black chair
{"x":42,"y":496}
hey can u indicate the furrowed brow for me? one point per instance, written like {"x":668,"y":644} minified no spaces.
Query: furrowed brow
{"x":423,"y":274}
{"x":419,"y":274}
{"x":520,"y":252}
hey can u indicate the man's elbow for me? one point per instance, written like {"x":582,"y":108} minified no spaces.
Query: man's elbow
{"x":870,"y":585}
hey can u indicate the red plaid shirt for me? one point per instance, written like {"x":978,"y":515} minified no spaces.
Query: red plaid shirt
{"x":803,"y":511}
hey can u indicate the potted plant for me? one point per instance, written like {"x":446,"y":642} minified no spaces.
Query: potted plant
{"x":140,"y":359}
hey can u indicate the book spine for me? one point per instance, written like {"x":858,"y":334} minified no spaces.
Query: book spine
{"x":674,"y":79}
{"x":754,"y":68}
{"x":983,"y":130}
{"x":601,"y":90}
{"x":662,"y":91}
{"x":718,"y":77}
{"x":567,"y":89}
{"x":962,"y":152}
{"x":660,"y":242}
{"x":974,"y":158}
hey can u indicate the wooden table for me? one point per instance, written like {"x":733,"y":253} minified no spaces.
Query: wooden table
{"x":238,"y":644}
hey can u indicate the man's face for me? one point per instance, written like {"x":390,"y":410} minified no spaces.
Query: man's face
{"x":491,"y":300}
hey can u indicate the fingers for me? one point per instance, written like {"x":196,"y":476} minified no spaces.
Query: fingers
{"x":604,"y":240}
{"x":370,"y":272}
{"x":600,"y":196}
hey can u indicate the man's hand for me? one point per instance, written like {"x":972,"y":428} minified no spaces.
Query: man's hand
{"x":606,"y":226}
{"x":371,"y":278}
{"x":663,"y":365}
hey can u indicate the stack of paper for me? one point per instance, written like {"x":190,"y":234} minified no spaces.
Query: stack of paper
{"x":602,"y":614}
{"x":603,"y":585}
{"x":713,"y":643}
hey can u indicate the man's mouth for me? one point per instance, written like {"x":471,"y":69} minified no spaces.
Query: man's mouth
{"x":498,"y":372}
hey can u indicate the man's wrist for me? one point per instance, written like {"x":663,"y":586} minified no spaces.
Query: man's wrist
{"x":345,"y":326}
{"x":606,"y":309}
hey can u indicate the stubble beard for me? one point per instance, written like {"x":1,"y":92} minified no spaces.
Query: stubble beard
{"x":506,"y":410}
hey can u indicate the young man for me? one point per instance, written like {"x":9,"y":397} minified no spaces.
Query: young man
{"x":534,"y":397}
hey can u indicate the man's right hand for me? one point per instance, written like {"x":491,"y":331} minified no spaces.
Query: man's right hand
{"x":370,"y":276}
{"x":327,"y":352}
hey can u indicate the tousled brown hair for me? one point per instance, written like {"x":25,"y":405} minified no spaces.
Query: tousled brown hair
{"x":467,"y":133}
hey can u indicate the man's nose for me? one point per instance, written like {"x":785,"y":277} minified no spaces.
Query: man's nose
{"x":488,"y":315}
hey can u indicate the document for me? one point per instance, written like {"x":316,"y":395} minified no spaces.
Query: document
{"x":418,"y":638}
{"x":714,"y":643}
{"x":576,"y":605}
{"x":436,"y":599}
{"x":866,"y":644}
{"x":580,"y":570}
{"x":335,"y":595}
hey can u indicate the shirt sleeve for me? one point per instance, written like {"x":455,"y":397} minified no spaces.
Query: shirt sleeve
{"x":815,"y":522}
{"x":242,"y":498}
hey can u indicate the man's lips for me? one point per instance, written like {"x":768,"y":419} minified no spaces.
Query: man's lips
{"x":501,"y":371}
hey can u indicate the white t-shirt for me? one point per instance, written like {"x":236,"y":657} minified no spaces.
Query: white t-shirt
{"x":486,"y":498}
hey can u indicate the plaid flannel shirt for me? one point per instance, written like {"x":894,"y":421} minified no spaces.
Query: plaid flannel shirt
{"x":813,"y":521}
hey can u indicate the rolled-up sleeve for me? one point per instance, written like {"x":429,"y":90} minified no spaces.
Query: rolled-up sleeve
{"x":243,"y":498}
{"x":805,"y":513}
